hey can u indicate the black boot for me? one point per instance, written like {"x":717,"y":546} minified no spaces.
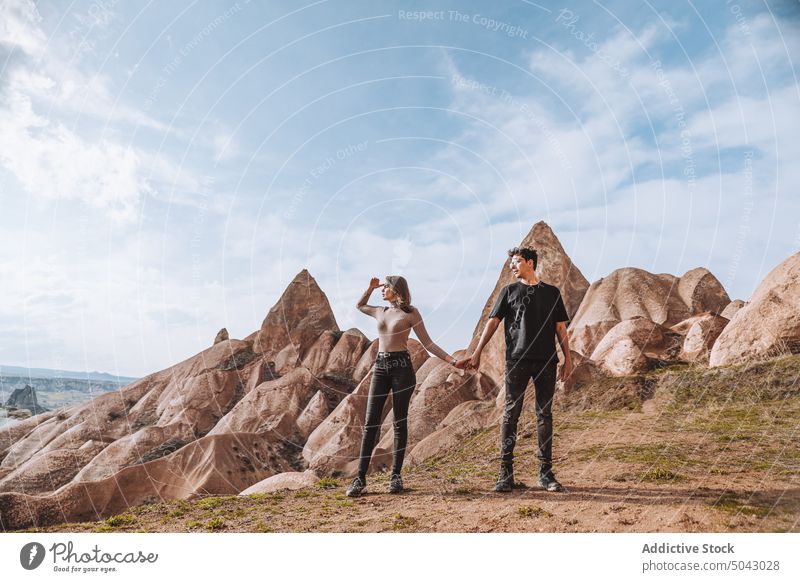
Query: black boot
{"x":356,"y":487}
{"x":505,"y":482}
{"x":547,"y":480}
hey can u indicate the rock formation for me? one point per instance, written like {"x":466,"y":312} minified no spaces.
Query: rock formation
{"x":217,"y":422}
{"x":222,"y":335}
{"x":636,"y":345}
{"x":25,"y":398}
{"x":629,"y":292}
{"x":769,"y":324}
{"x":700,"y":332}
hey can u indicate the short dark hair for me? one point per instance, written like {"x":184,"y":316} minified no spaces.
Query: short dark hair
{"x":526,"y":253}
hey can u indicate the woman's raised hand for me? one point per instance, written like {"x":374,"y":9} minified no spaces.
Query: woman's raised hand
{"x":374,"y":283}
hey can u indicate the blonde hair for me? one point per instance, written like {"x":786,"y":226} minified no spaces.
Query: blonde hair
{"x":399,"y":285}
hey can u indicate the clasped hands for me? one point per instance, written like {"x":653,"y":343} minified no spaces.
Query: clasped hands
{"x":468,"y":362}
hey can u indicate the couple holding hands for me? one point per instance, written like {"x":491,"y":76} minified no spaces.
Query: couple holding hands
{"x":534,"y":316}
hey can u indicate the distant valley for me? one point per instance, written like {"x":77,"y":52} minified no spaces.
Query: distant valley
{"x":55,"y":388}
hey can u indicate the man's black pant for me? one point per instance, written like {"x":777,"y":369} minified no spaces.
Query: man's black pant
{"x":518,"y":372}
{"x":392,"y":372}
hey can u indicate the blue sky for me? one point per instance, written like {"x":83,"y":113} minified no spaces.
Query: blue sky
{"x":167,"y":168}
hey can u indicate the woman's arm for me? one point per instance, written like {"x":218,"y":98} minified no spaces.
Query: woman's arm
{"x":362,"y":303}
{"x":419,"y":328}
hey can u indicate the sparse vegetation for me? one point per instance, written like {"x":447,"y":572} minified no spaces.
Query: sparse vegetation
{"x":327,"y":483}
{"x":532,"y":511}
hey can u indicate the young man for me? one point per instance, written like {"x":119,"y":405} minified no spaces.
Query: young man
{"x":534,"y":315}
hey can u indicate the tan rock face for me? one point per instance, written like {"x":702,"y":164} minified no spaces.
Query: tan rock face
{"x":633,"y":345}
{"x":222,"y":335}
{"x":554,"y":267}
{"x":769,"y":324}
{"x":463,"y":421}
{"x":318,"y":354}
{"x":290,"y":481}
{"x":700,"y":331}
{"x":261,"y":408}
{"x":702,"y":291}
{"x":313,"y":414}
{"x":627,"y":293}
{"x":301,"y":315}
{"x":185,"y":401}
{"x":345,"y":355}
{"x":220,"y":464}
{"x":48,"y":471}
{"x":732,"y":309}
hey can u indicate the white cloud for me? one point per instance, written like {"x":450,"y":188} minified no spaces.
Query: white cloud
{"x":52,"y":162}
{"x":45,"y":98}
{"x":19,"y":26}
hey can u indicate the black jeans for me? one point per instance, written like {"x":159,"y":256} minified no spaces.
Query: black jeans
{"x":518,"y":372}
{"x":393,"y":371}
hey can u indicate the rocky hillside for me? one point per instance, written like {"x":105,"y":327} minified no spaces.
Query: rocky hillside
{"x":286,"y":404}
{"x":674,"y":450}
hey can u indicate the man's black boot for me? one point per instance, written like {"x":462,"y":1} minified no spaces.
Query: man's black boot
{"x":505,"y":482}
{"x":547,"y":480}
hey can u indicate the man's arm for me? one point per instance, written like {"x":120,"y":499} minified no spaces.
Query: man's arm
{"x":474,"y":360}
{"x":563,"y":341}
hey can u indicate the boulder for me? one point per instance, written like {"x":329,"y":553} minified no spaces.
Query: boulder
{"x":732,"y":309}
{"x":634,"y":345}
{"x":769,"y":324}
{"x":290,"y":481}
{"x":630,"y":292}
{"x":700,"y":333}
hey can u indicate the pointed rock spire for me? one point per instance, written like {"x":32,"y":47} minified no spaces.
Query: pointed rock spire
{"x":299,"y":317}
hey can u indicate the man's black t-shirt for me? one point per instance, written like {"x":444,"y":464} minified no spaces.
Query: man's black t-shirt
{"x":530,"y":313}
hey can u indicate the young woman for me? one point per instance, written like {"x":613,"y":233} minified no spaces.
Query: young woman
{"x":392,"y":371}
